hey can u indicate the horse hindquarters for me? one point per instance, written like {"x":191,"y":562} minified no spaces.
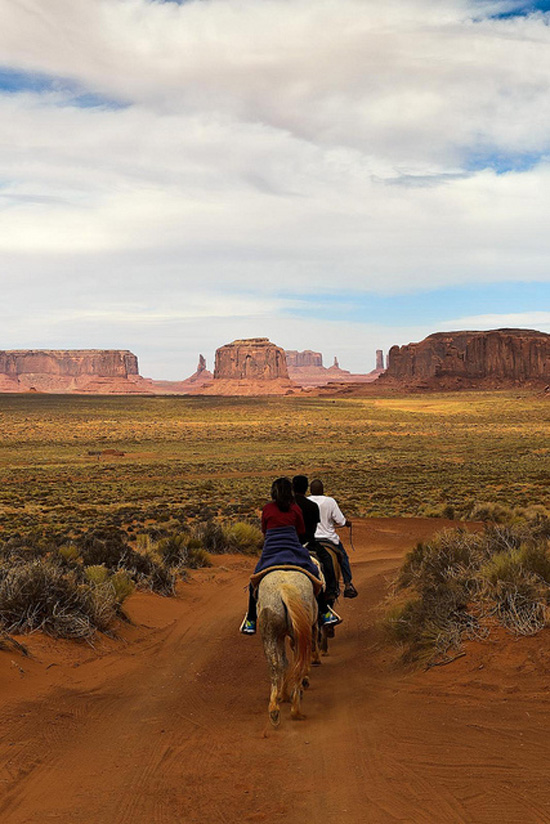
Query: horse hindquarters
{"x":274,"y":648}
{"x":286,"y":607}
{"x":301,"y":620}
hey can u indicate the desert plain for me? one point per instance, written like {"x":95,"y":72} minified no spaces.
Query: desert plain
{"x":164,"y":718}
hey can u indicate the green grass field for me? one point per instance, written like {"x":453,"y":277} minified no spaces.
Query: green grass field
{"x":408,"y":455}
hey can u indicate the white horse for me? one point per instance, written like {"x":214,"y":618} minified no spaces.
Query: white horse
{"x":287,"y":607}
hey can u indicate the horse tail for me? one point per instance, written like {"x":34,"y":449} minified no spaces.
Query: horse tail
{"x":301,"y":624}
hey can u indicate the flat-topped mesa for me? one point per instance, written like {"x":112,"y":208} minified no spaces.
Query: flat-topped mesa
{"x":305,"y":358}
{"x":93,"y":371}
{"x":504,"y":355}
{"x":73,"y":363}
{"x":254,"y":359}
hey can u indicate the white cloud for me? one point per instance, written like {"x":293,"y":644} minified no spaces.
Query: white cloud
{"x":510,"y":320}
{"x":267,"y":149}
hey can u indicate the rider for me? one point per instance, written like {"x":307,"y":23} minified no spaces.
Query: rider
{"x":310,"y":510}
{"x":331,"y":517}
{"x":282,"y":522}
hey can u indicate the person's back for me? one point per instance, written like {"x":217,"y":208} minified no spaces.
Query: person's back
{"x":330,"y":517}
{"x":310,"y":510}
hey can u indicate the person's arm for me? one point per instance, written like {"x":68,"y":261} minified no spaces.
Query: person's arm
{"x":338,"y":518}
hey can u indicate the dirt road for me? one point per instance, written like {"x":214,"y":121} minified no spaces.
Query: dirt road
{"x":169,"y":724}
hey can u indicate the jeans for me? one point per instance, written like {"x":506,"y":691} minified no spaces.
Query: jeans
{"x":344,"y":563}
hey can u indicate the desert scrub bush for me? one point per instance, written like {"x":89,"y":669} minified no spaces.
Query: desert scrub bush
{"x":197,"y":558}
{"x":491,"y":512}
{"x":173,"y":549}
{"x":39,"y":595}
{"x":244,"y":537}
{"x":211,"y":535}
{"x":439,"y":511}
{"x":110,"y":548}
{"x":458,"y":584}
{"x":119,"y":584}
{"x":122,"y":585}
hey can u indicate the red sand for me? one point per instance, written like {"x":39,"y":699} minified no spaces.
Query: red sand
{"x":168,"y":723}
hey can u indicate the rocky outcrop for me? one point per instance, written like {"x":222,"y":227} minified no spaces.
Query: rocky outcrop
{"x":253,"y":366}
{"x":498,"y":356}
{"x":254,"y":359}
{"x":74,"y":363}
{"x":379,"y":360}
{"x":307,"y":358}
{"x":70,"y":370}
{"x":196,"y":382}
{"x":306,"y":368}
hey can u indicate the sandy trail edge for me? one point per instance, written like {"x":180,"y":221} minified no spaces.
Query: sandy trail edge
{"x":170,"y":725}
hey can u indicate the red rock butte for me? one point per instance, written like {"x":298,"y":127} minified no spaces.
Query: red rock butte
{"x":70,"y":370}
{"x":255,"y":359}
{"x":499,"y":355}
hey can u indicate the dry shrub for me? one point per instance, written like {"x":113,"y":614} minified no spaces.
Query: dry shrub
{"x":122,"y":585}
{"x":97,"y":574}
{"x":110,"y":548}
{"x":211,"y":536}
{"x":39,"y":595}
{"x":244,"y":537}
{"x":455,"y":585}
{"x":173,"y":550}
{"x":161,"y":580}
{"x":198,"y":558}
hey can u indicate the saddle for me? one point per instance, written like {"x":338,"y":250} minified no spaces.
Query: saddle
{"x":329,"y":556}
{"x":317,"y":582}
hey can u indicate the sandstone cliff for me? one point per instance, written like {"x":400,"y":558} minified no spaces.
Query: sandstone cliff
{"x":65,"y":370}
{"x":251,"y":359}
{"x":253,"y":366}
{"x":459,"y":358}
{"x":306,"y":369}
{"x":306,"y":358}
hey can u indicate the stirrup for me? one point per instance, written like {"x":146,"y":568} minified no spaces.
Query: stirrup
{"x":248,"y":627}
{"x":330,"y":618}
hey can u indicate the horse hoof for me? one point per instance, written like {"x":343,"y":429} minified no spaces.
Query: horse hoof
{"x":305,"y":683}
{"x":316,"y":663}
{"x":297,"y":716}
{"x":275,"y":717}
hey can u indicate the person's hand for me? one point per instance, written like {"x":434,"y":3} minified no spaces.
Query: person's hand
{"x":348,"y":523}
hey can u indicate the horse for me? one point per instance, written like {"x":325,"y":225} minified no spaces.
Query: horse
{"x":287,"y":608}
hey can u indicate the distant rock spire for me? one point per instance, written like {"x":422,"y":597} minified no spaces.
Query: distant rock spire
{"x":202,"y":364}
{"x":336,"y":364}
{"x":379,"y":360}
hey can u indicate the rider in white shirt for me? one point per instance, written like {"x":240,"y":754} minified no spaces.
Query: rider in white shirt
{"x":331,"y":517}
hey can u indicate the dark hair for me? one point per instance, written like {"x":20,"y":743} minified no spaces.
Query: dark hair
{"x":317,"y":487}
{"x":281,"y":492}
{"x":300,"y":484}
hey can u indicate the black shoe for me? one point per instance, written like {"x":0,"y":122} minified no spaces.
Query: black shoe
{"x":350,"y":591}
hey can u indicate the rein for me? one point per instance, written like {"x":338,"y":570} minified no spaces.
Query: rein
{"x":351,"y":537}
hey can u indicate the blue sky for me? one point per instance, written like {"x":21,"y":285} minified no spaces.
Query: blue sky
{"x":341,"y":176}
{"x":430,"y":307}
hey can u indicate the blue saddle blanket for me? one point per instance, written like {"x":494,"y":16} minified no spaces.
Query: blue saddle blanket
{"x":281,"y":546}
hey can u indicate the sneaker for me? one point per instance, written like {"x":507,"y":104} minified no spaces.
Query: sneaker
{"x":248,"y":627}
{"x":350,"y":591}
{"x":330,"y":618}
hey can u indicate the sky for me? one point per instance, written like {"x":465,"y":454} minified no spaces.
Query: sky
{"x":338,"y":175}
